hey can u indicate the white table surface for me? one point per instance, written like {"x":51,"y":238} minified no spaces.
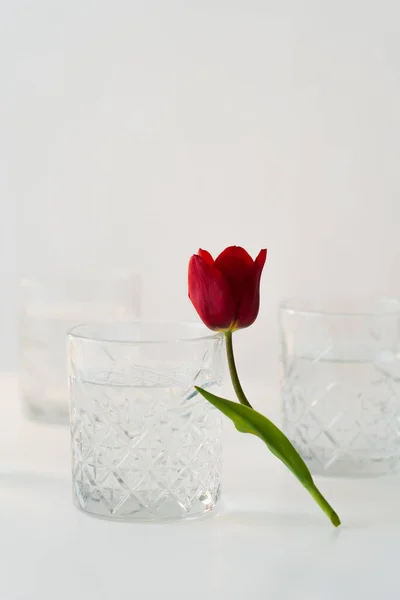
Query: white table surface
{"x":269,"y":541}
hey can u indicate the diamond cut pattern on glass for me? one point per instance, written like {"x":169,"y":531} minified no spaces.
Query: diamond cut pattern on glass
{"x":144,"y":451}
{"x":344,"y":426}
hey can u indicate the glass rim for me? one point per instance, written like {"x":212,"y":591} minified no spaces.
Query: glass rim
{"x":324,"y":306}
{"x":74,"y":333}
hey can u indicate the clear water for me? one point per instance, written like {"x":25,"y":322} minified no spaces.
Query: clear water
{"x":144,"y":452}
{"x":344,"y":416}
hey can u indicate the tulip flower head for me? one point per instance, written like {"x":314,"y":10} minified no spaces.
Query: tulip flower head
{"x":226,"y":291}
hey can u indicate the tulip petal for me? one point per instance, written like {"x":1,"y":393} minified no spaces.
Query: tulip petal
{"x":205,"y":255}
{"x":250,"y":298}
{"x":260,"y":259}
{"x":235,"y":264}
{"x":210,"y":294}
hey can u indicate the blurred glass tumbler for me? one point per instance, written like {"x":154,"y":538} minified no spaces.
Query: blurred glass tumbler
{"x":341,"y":384}
{"x":48,"y":308}
{"x":145,"y":445}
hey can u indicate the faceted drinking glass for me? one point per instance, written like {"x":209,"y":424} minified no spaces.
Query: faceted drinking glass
{"x":49,"y":306}
{"x":341,"y":384}
{"x":145,"y":445}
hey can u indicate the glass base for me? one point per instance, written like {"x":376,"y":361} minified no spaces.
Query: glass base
{"x":141,"y":510}
{"x":54,"y":413}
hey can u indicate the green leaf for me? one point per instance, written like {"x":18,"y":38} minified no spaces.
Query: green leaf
{"x":248,"y":420}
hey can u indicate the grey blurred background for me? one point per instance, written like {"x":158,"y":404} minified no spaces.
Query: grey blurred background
{"x":134,"y":132}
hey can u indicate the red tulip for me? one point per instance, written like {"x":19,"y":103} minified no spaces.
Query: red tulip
{"x":226,"y":294}
{"x":226,"y":291}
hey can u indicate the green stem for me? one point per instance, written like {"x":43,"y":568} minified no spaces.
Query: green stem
{"x":324,"y":505}
{"x":233,"y":371}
